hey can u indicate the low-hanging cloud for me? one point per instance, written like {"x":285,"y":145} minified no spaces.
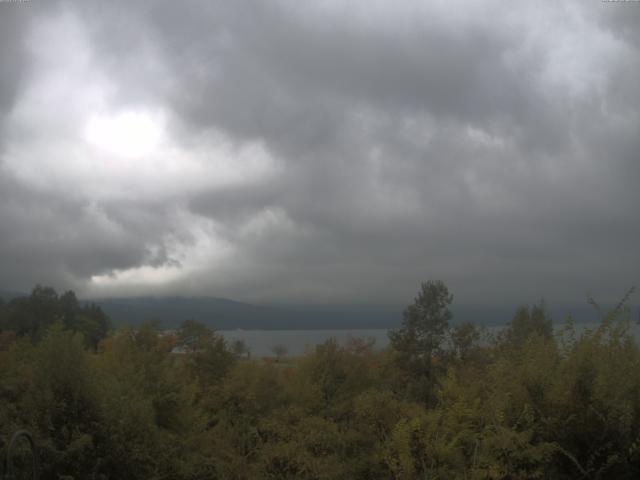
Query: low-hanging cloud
{"x":325,"y":152}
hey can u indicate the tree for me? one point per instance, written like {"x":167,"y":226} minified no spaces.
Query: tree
{"x":526,"y":322}
{"x":32,"y":316}
{"x":240,"y":348}
{"x":93,"y":323}
{"x":64,"y":405}
{"x":194,"y":336}
{"x":418,"y":343}
{"x":280,"y":351}
{"x":464,"y":339}
{"x":208,"y":355}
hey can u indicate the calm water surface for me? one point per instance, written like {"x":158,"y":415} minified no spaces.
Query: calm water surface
{"x":297,"y":342}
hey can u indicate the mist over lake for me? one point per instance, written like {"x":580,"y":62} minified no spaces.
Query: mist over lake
{"x":299,"y":342}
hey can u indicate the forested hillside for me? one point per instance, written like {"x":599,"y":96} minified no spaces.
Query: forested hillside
{"x":441,"y":402}
{"x":223,"y":314}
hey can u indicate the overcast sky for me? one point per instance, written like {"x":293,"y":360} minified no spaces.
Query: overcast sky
{"x":323,"y":152}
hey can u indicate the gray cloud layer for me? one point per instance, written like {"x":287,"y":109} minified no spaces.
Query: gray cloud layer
{"x":342,"y":153}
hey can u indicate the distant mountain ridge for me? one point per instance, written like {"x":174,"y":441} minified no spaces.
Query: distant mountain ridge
{"x":224,"y":314}
{"x":7,"y":295}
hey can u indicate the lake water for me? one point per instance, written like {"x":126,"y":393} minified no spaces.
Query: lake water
{"x":297,"y":342}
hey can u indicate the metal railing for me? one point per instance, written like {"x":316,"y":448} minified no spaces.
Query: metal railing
{"x":8,"y":470}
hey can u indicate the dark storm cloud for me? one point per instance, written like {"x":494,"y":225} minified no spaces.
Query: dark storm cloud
{"x":268,"y":71}
{"x":622,"y":22}
{"x":63,"y":241}
{"x":13,"y":22}
{"x":486,"y":147}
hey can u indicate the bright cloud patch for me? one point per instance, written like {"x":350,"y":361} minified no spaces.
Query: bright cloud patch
{"x":128,"y":134}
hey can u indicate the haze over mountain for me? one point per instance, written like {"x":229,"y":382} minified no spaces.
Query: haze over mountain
{"x":325,"y":153}
{"x":222,"y":314}
{"x":225,"y":314}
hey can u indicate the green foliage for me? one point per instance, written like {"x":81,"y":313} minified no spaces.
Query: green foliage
{"x":465,"y":341}
{"x":208,"y":357}
{"x":533,"y":404}
{"x":53,"y":394}
{"x":418,"y":344}
{"x":528,"y":321}
{"x":32,"y":316}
